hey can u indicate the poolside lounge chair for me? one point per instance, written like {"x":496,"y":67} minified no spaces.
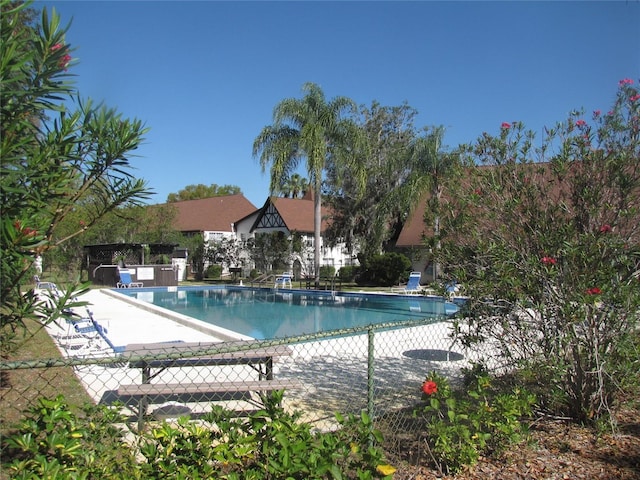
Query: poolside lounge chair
{"x":126,"y":281}
{"x":283,"y":281}
{"x":412,"y":286}
{"x":454,"y":290}
{"x":83,"y":324}
{"x":48,"y":289}
{"x":48,"y":293}
{"x":81,"y":335}
{"x":74,"y":332}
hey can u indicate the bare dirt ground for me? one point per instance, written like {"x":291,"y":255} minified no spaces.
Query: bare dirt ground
{"x":557,"y":451}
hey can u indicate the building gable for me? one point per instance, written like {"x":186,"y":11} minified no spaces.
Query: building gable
{"x":270,"y":218}
{"x":414,"y":229}
{"x":293,"y":214}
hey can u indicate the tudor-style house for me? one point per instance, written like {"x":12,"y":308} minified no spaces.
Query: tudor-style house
{"x":234,"y":217}
{"x":295,"y":216}
{"x":212,"y":217}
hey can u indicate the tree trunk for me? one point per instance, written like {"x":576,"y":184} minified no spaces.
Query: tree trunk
{"x":436,"y":231}
{"x":317,"y":223}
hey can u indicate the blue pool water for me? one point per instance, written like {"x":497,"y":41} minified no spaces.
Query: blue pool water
{"x":265,"y":313}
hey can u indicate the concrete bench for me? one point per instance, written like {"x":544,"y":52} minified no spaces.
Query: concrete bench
{"x":147,"y":393}
{"x":190,"y":354}
{"x":154,"y":358}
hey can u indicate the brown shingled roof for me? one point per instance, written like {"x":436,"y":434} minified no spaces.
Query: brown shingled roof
{"x":297,"y":213}
{"x":214,"y":214}
{"x":414,"y":229}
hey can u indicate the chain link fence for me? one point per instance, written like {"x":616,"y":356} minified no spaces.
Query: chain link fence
{"x":378,"y":369}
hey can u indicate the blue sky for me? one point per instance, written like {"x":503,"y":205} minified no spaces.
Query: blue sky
{"x":205,"y":75}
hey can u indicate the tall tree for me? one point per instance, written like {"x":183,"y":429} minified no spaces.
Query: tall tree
{"x":299,"y":185}
{"x":369,"y":216}
{"x":195,"y":192}
{"x":431,"y":168}
{"x":310,"y":129}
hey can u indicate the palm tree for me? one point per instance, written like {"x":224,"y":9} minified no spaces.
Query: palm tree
{"x":286,"y":188}
{"x":294,"y":186}
{"x":298,"y":184}
{"x":309,"y":128}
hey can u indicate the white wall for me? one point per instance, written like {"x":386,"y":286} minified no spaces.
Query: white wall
{"x":334,"y":256}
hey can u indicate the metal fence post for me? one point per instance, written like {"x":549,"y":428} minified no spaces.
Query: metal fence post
{"x":370,"y":371}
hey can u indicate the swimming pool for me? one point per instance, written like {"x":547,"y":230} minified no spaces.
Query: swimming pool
{"x":264,"y":313}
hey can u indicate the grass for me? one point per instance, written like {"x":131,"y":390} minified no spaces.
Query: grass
{"x":19,"y":392}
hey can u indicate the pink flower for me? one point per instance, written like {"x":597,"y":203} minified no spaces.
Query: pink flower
{"x":64,"y":61}
{"x":25,"y":231}
{"x":580,"y":123}
{"x":625,"y":81}
{"x":548,"y":260}
{"x":594,"y":291}
{"x":505,"y":125}
{"x":429,"y":387}
{"x":635,"y":97}
{"x":596,"y":113}
{"x":605,"y":228}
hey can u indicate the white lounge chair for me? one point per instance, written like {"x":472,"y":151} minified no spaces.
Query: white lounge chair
{"x":283,"y":281}
{"x":49,"y":294}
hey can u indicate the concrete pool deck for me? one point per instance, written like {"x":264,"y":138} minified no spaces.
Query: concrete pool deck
{"x":333,"y":371}
{"x":131,"y":321}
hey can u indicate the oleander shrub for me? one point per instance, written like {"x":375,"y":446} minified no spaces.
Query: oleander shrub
{"x":550,"y":256}
{"x":59,"y":156}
